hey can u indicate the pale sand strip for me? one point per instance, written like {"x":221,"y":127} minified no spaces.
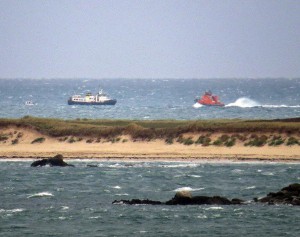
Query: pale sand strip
{"x":149,"y":150}
{"x":154,"y":150}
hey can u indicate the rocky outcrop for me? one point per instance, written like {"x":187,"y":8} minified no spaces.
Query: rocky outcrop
{"x":54,"y":161}
{"x":185,"y":198}
{"x":287,"y":195}
{"x":138,"y":202}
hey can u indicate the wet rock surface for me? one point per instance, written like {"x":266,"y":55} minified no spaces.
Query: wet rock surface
{"x":54,"y":161}
{"x":287,"y":195}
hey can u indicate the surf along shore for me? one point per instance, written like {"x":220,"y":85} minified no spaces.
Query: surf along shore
{"x":136,"y":140}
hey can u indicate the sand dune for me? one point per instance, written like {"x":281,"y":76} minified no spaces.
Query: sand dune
{"x":125,"y":148}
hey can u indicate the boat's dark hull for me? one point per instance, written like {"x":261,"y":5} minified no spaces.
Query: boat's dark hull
{"x":108,"y":102}
{"x":213,"y":105}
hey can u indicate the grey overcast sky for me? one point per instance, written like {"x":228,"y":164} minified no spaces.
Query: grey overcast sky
{"x":149,"y":39}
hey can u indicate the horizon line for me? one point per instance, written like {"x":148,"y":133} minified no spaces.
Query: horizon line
{"x":145,"y":78}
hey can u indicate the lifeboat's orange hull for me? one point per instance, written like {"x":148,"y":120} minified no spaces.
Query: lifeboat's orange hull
{"x":210,"y":100}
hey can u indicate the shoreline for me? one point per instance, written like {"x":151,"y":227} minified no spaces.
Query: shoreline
{"x":150,"y":158}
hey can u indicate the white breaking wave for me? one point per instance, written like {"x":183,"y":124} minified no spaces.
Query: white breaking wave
{"x":42,"y":194}
{"x":281,"y":106}
{"x":189,"y":189}
{"x":244,"y":103}
{"x":12,"y":210}
{"x":251,"y":187}
{"x":197,"y":105}
{"x":214,"y":208}
{"x":122,"y":194}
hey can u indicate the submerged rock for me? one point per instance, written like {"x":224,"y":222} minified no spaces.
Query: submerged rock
{"x":287,"y":195}
{"x":54,"y":161}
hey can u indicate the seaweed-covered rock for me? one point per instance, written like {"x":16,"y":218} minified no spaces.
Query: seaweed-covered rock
{"x":54,"y":161}
{"x":287,"y":195}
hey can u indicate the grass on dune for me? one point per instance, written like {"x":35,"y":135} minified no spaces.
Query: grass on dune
{"x":152,"y":129}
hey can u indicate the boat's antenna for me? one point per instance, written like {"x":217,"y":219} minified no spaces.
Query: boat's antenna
{"x":100,"y":90}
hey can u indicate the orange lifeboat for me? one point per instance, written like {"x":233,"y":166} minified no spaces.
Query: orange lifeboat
{"x":209,"y":99}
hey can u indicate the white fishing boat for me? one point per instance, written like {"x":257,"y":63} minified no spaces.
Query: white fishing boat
{"x":29,"y":103}
{"x":99,"y":99}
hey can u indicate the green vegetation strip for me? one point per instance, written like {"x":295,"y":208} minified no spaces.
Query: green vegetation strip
{"x":148,"y":130}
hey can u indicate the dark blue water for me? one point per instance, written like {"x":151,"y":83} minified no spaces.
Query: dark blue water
{"x":153,"y":99}
{"x":77,"y":201}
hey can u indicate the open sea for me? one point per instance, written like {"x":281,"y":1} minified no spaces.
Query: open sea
{"x":152,"y":98}
{"x":54,"y":201}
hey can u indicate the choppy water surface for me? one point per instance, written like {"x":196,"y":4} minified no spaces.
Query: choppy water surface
{"x":52,"y":201}
{"x":153,"y":99}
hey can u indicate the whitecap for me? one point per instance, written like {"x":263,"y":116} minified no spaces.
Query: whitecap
{"x":251,"y":187}
{"x":268,"y":173}
{"x":117,"y":187}
{"x":237,"y":171}
{"x":178,"y":176}
{"x":237,"y":209}
{"x":122,"y":194}
{"x":202,"y":216}
{"x":179,"y":165}
{"x":94,"y":217}
{"x":189,"y":189}
{"x":41,"y":194}
{"x":195,"y":176}
{"x":16,"y":210}
{"x":281,"y":106}
{"x":197,"y":105}
{"x":214,"y":208}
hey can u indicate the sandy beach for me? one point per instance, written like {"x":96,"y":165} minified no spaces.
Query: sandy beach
{"x":138,"y":150}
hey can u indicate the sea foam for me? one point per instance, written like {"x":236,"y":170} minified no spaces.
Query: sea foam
{"x":41,"y":194}
{"x":197,"y":105}
{"x":187,"y":189}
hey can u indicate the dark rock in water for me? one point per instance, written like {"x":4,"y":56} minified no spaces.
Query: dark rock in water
{"x":39,"y":163}
{"x":138,"y":202}
{"x":184,"y":198}
{"x":54,"y":161}
{"x":287,"y":195}
{"x":93,"y":166}
{"x":237,"y":201}
{"x":187,"y":199}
